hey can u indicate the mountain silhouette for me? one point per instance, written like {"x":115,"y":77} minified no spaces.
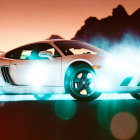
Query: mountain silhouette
{"x":55,"y":37}
{"x":119,"y":12}
{"x":111,"y":28}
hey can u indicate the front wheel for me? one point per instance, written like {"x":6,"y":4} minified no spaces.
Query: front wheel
{"x":135,"y":95}
{"x":80,"y":82}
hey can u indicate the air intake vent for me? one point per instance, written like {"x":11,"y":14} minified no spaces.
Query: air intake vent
{"x":6,"y":75}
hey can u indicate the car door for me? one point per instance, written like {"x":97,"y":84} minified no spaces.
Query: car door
{"x":30,"y":69}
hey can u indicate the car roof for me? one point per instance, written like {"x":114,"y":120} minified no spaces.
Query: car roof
{"x":41,"y":41}
{"x":52,"y":41}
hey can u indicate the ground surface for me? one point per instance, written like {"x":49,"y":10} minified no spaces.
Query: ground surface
{"x":63,"y":118}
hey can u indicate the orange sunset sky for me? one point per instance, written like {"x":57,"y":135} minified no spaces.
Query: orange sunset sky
{"x":24,"y":21}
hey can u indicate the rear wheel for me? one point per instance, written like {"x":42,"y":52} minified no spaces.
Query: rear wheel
{"x":135,"y":95}
{"x":42,"y":96}
{"x":80,"y":82}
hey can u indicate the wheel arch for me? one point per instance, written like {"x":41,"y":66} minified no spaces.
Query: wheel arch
{"x":77,"y":62}
{"x":74,"y":63}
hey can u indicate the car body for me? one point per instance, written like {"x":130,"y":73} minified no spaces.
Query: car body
{"x":46,"y":67}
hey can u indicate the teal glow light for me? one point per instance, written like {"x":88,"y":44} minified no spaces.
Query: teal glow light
{"x":64,"y":97}
{"x":115,"y":96}
{"x":65,"y":110}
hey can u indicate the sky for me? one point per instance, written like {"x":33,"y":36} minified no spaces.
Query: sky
{"x":25,"y":21}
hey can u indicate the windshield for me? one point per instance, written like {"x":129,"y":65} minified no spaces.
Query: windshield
{"x":77,"y":47}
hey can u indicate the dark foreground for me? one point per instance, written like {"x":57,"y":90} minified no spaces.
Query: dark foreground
{"x":70,"y":120}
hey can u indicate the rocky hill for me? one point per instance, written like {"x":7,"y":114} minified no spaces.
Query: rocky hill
{"x":110,"y":29}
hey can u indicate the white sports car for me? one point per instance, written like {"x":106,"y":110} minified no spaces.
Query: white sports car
{"x":55,"y":66}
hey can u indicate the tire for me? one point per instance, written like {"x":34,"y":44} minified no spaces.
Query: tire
{"x":42,"y":96}
{"x":135,"y":95}
{"x":78,"y":81}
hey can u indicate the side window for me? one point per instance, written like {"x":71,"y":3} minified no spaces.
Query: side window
{"x":31,"y":51}
{"x":54,"y":52}
{"x":14,"y":54}
{"x":25,"y":54}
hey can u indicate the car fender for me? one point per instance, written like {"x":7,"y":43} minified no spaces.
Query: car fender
{"x":78,"y":60}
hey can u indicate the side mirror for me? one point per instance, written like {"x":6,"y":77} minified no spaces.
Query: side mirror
{"x":46,"y":54}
